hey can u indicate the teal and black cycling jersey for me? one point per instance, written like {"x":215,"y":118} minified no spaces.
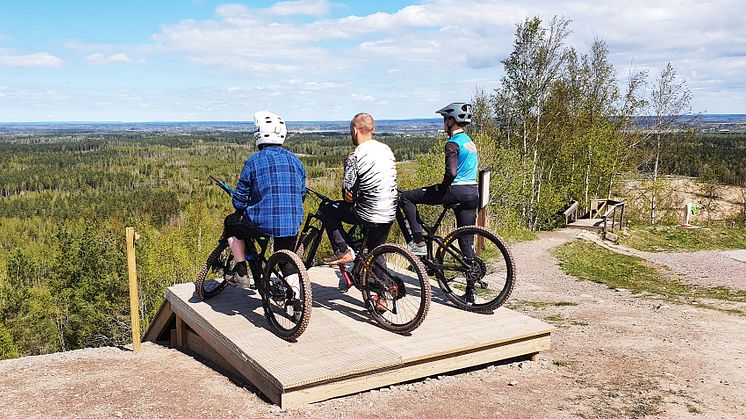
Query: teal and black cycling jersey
{"x":461,"y":161}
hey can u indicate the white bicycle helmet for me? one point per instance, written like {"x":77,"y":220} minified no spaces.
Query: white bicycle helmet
{"x":269,"y":128}
{"x":460,"y":111}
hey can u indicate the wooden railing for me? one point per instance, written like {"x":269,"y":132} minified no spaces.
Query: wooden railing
{"x":571,"y":213}
{"x":613,"y":209}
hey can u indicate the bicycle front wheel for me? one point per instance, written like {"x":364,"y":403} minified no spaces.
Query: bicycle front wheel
{"x":286,"y":294}
{"x":211,"y":278}
{"x":396,"y":288}
{"x":477,"y":271}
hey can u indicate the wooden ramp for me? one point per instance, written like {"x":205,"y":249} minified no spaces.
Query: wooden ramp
{"x":343,"y":351}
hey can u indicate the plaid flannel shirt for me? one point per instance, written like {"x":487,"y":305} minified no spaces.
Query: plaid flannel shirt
{"x":270,"y":191}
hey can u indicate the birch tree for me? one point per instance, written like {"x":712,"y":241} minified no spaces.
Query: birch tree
{"x":669,"y":100}
{"x":535,"y":63}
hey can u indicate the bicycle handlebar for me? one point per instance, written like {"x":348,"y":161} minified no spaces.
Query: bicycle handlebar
{"x":319,"y":195}
{"x":222,"y":185}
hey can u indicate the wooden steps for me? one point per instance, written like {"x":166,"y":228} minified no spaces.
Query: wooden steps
{"x":343,"y":351}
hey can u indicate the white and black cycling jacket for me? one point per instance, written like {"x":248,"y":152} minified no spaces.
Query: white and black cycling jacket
{"x":370,"y":174}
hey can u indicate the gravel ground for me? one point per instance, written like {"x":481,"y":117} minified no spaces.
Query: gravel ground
{"x":614,"y":354}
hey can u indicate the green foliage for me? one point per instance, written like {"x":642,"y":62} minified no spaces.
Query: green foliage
{"x":562,"y":127}
{"x":672,"y":238}
{"x":8,"y":348}
{"x":66,"y":198}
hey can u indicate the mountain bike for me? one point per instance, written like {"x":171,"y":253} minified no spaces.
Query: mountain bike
{"x":281,"y":280}
{"x":474,"y":278}
{"x":394,"y":285}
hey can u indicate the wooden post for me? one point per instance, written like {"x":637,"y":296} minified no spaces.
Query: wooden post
{"x":134,"y":296}
{"x":180,"y":333}
{"x":484,"y":199}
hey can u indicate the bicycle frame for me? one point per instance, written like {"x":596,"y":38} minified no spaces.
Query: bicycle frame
{"x":310,"y":253}
{"x":431,"y":239}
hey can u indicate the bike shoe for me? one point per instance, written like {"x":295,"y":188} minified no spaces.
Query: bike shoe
{"x":418,"y":249}
{"x":339,"y":258}
{"x":239,"y":281}
{"x":343,"y":285}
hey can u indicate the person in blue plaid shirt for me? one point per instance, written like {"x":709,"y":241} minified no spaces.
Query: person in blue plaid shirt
{"x":269,"y":196}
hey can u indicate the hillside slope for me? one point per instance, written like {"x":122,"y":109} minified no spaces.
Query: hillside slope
{"x":613,"y":354}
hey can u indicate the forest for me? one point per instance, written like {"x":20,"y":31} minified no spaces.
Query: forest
{"x":558,"y":128}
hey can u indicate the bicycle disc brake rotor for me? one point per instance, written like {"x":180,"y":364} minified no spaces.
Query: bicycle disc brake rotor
{"x":477,"y":270}
{"x":278,"y":291}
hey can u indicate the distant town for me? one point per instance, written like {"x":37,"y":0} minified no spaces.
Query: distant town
{"x":707,"y":123}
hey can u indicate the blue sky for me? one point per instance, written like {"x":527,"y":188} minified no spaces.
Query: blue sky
{"x":194,"y":60}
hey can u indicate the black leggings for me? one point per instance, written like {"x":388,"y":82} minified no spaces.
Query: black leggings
{"x":466,"y":213}
{"x":338,"y":212}
{"x":236,"y":225}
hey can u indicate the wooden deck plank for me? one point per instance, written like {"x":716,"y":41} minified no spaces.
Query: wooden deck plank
{"x":412,"y":371}
{"x":343,"y":351}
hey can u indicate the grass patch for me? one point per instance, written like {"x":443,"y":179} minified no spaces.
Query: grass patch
{"x":667,"y":238}
{"x":517,"y":235}
{"x":594,"y":263}
{"x":513,"y":304}
{"x":563,"y":362}
{"x":554,"y":318}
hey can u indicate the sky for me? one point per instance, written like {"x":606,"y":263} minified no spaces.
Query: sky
{"x":202,"y":60}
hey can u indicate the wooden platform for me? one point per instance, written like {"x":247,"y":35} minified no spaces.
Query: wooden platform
{"x":592,"y":224}
{"x":343,"y":351}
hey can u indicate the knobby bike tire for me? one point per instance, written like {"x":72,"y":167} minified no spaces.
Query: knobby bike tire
{"x":215,"y":264}
{"x":419,"y":284}
{"x":504,"y":265}
{"x":287,"y":326}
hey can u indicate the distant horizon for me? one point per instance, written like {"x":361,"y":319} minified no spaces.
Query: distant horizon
{"x":237,"y":121}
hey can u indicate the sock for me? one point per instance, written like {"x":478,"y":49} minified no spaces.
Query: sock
{"x":241,"y":268}
{"x":417,"y":237}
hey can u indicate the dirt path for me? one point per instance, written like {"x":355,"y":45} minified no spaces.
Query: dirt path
{"x":613,"y":354}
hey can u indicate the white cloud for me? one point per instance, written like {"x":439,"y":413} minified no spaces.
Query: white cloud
{"x":99,"y":58}
{"x":298,"y":59}
{"x":302,"y":7}
{"x":363,"y":98}
{"x":37,"y":60}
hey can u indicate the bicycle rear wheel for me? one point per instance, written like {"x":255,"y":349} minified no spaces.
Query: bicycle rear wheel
{"x":396,"y":288}
{"x":286,"y":294}
{"x":477,"y":278}
{"x":210,"y":281}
